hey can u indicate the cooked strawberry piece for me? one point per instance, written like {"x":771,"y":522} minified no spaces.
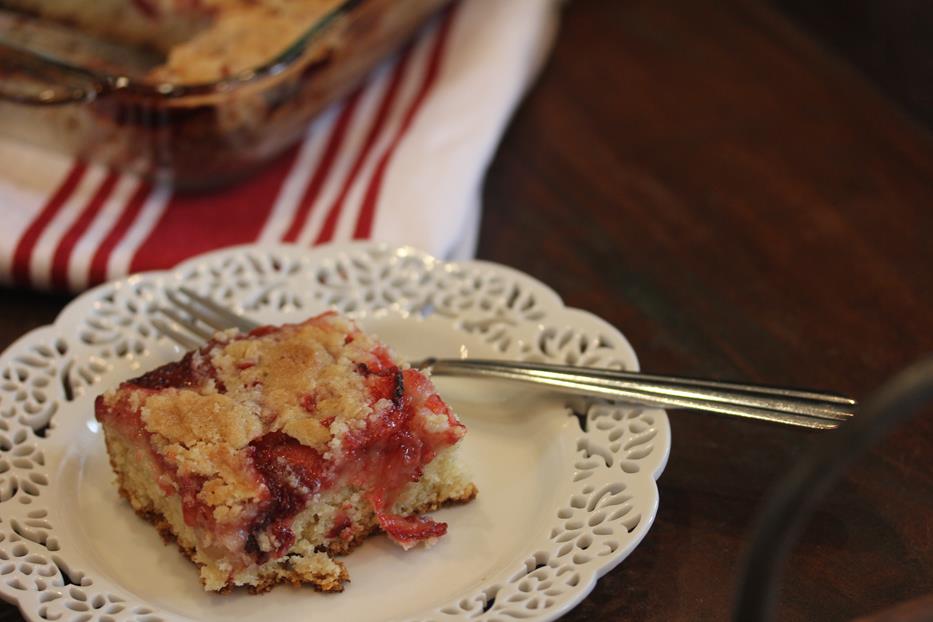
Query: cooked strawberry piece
{"x":408,"y":530}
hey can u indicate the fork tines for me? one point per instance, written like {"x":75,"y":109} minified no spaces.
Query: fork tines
{"x":199,"y":315}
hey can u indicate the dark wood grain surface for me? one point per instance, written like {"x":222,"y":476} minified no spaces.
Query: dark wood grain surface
{"x":742,"y":203}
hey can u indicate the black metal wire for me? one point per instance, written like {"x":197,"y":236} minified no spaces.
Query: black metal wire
{"x":794,"y":498}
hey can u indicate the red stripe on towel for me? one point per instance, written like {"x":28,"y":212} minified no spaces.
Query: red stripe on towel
{"x":66,"y":245}
{"x":233,"y":215}
{"x":367,"y":215}
{"x":375,"y":130}
{"x":22,"y":255}
{"x":97,"y":272}
{"x":323,"y":168}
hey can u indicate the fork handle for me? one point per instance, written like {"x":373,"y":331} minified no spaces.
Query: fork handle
{"x":808,"y":409}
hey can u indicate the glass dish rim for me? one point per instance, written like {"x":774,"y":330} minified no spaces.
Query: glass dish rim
{"x":108,"y":82}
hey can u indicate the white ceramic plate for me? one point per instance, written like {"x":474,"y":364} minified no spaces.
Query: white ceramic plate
{"x":559,"y":506}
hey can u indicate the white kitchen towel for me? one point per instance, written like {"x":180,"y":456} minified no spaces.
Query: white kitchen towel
{"x":399,"y":160}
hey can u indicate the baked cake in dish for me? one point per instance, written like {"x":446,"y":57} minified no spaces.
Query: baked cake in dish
{"x":266,"y":455}
{"x":201,"y":40}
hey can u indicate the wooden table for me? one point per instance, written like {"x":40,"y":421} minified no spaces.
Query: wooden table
{"x":742,"y":204}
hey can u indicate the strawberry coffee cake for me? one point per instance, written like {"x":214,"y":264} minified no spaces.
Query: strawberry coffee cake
{"x":266,"y":455}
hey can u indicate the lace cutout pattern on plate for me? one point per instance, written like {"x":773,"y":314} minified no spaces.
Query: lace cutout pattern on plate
{"x":619,"y":451}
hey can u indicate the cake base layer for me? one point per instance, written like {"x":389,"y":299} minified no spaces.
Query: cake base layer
{"x":332,"y":524}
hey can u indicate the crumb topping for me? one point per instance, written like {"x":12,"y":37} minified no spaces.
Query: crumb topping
{"x":187,"y":418}
{"x":310,"y":432}
{"x":302,"y":378}
{"x":253,"y":425}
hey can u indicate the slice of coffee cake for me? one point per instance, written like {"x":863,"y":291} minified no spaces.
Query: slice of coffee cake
{"x":266,"y":454}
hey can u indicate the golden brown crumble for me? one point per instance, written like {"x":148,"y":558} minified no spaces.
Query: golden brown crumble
{"x":186,"y":417}
{"x":300,"y":380}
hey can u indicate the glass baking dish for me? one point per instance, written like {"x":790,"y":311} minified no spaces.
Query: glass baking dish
{"x":77,"y":94}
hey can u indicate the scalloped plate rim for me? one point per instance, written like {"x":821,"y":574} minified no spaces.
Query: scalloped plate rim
{"x":74,"y":307}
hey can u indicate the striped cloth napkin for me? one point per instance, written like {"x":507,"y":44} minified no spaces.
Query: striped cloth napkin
{"x":400,"y":160}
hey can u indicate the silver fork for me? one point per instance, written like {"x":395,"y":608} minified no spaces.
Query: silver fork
{"x":818,"y":410}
